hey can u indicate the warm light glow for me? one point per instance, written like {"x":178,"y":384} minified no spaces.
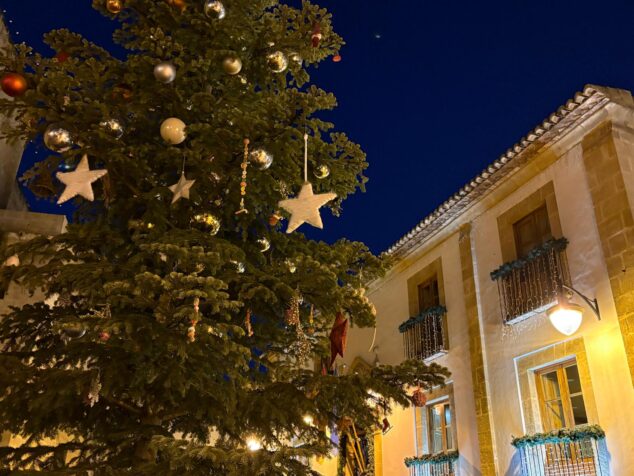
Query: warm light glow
{"x":253,"y":444}
{"x":308,"y":419}
{"x":566,"y":318}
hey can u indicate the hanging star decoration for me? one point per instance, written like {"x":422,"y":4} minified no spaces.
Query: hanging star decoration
{"x":181,"y":188}
{"x":305,"y":207}
{"x":79,"y":181}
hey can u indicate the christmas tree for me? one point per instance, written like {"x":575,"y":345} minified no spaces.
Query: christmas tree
{"x":185,"y":330}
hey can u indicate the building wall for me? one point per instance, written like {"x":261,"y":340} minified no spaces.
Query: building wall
{"x":591,"y":171}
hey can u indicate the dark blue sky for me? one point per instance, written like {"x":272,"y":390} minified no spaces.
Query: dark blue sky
{"x":433,"y":91}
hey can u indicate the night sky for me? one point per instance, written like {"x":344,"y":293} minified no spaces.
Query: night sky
{"x":433,"y":91}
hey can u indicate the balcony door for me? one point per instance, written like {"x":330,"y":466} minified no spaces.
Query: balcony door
{"x":531,"y":231}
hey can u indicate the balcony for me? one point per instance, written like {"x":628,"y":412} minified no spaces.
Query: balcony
{"x":424,"y":336}
{"x":580,"y":452}
{"x":439,"y":464}
{"x":531,"y":284}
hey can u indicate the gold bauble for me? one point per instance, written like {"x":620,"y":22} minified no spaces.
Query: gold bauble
{"x":215,"y":9}
{"x":114,"y":6}
{"x":173,"y":130}
{"x":277,"y":61}
{"x":113,"y":127}
{"x":232,"y":65}
{"x":165,"y":72}
{"x":210,"y":222}
{"x":321,"y":171}
{"x":264,"y":244}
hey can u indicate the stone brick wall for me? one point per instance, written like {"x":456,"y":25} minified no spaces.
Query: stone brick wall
{"x":615,"y":224}
{"x":485,"y":438}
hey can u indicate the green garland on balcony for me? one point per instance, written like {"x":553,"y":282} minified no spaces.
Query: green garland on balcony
{"x":424,"y":314}
{"x":436,"y":458}
{"x":564,"y":435}
{"x":558,"y":244}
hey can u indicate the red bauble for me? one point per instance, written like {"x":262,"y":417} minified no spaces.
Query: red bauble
{"x":104,"y":336}
{"x":336,"y":58}
{"x":14,"y":84}
{"x":62,"y":56}
{"x":418,"y":398}
{"x":315,"y":36}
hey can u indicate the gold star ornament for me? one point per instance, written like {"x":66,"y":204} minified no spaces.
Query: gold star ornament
{"x":305,"y":207}
{"x":181,"y":188}
{"x":79,"y":181}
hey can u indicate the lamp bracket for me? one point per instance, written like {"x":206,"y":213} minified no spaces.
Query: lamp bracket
{"x":592,"y":303}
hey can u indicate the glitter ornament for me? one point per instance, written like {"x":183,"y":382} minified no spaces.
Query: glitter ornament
{"x":215,"y":9}
{"x":418,"y":398}
{"x":277,"y":61}
{"x":13,"y":84}
{"x":57,"y":138}
{"x":210,"y":222}
{"x":113,"y":127}
{"x":165,"y":72}
{"x":173,"y":130}
{"x":265,"y":244}
{"x":321,"y":171}
{"x":260,"y":159}
{"x":232,"y":65}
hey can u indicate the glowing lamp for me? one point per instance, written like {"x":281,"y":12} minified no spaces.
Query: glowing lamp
{"x":566,"y":318}
{"x":253,"y":444}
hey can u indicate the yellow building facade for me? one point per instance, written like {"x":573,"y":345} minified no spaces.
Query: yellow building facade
{"x":474,"y":287}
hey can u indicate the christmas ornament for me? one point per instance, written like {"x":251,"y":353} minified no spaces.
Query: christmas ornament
{"x":247,"y":323}
{"x":62,"y":57}
{"x":191,"y":333}
{"x":292,"y":267}
{"x":243,"y":181}
{"x":114,"y":6}
{"x":295,"y":58}
{"x":181,"y":188}
{"x":57,"y":138}
{"x":13,"y":260}
{"x":291,"y":315}
{"x":13,"y":84}
{"x":260,"y":159}
{"x":274,"y":219}
{"x":315,"y":37}
{"x":264,"y":243}
{"x":336,"y":58}
{"x":338,"y":337}
{"x":302,"y":347}
{"x":321,"y":171}
{"x":113,"y":127}
{"x":165,"y":72}
{"x":79,"y":181}
{"x":277,"y":61}
{"x":180,"y":4}
{"x":232,"y":65}
{"x":94,"y":390}
{"x":305,"y":207}
{"x":73,"y":331}
{"x":211,"y":222}
{"x":239,"y":266}
{"x":215,"y":9}
{"x":123,"y":91}
{"x":418,"y":398}
{"x":104,"y":336}
{"x":173,"y":130}
{"x":311,"y":319}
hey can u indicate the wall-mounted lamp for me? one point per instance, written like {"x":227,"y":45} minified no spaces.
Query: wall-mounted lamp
{"x":566,"y":316}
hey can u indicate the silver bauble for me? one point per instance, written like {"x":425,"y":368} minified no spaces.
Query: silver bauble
{"x":57,"y":138}
{"x":165,"y":72}
{"x":277,"y":61}
{"x":260,"y":159}
{"x":215,"y":9}
{"x":113,"y":127}
{"x":264,"y":244}
{"x":321,"y":171}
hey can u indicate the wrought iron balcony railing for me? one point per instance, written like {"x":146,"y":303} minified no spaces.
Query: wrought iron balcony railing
{"x":439,"y":464}
{"x":424,"y":335}
{"x":529,"y":284}
{"x":576,"y":452}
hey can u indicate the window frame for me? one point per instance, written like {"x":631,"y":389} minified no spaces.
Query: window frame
{"x":445,"y":403}
{"x":564,"y":394}
{"x":432,"y":281}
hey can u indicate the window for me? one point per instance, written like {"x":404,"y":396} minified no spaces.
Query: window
{"x":531,"y":231}
{"x":440,"y":421}
{"x":560,"y":396}
{"x":428,"y":294}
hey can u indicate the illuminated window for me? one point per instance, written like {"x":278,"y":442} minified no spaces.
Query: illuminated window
{"x":434,"y":428}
